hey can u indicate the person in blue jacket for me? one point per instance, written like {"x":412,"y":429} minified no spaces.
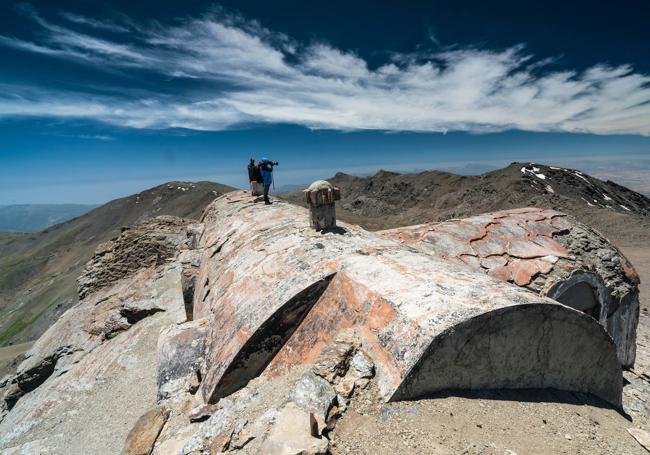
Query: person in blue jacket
{"x":266,"y":169}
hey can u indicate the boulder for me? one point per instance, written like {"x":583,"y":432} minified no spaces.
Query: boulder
{"x":315,"y":395}
{"x":333,"y":361}
{"x":142,"y":437}
{"x":291,"y":434}
{"x":361,"y":366}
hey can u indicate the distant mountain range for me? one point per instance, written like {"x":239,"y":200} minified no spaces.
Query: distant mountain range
{"x":389,"y":199}
{"x":35,"y":217}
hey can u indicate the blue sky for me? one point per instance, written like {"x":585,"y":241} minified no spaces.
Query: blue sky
{"x":103,"y":99}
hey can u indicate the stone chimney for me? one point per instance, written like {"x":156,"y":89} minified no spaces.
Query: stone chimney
{"x":321,"y":196}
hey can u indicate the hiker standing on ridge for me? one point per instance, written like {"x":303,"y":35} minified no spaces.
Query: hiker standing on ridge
{"x":266,"y":169}
{"x":254,"y":178}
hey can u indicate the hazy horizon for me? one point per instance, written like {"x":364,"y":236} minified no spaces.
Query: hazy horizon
{"x":635,"y":178}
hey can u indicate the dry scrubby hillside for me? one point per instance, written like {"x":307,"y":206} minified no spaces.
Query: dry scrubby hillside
{"x":38,"y":271}
{"x":388,"y":199}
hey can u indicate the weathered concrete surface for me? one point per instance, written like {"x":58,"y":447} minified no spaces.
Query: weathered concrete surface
{"x":401,"y":330}
{"x":276,"y":291}
{"x":321,"y":197}
{"x":545,"y":251}
{"x":531,"y":346}
{"x":262,"y":269}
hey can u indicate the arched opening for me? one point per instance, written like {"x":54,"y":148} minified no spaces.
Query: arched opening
{"x":583,"y":291}
{"x":582,"y":297}
{"x":253,"y":356}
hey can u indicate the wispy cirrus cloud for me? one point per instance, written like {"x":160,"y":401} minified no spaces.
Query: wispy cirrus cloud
{"x":250,"y":74}
{"x":95,"y":23}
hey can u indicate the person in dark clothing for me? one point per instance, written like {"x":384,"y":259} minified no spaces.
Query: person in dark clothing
{"x":254,"y":178}
{"x":266,"y":170}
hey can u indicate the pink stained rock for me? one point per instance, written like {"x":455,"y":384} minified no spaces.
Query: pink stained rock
{"x":525,"y":249}
{"x":491,"y":244}
{"x":545,"y":249}
{"x":280,"y":292}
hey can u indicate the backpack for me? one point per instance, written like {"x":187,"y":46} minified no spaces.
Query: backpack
{"x":254,"y":174}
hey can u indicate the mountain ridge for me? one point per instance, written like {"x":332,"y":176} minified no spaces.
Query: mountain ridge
{"x":38,"y":271}
{"x":390,"y":199}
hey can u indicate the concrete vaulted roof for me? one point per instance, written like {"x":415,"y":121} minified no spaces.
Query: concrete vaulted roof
{"x":275,"y":292}
{"x":547,"y":252}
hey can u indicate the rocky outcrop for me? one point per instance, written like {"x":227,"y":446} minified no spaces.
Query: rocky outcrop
{"x":98,"y":380}
{"x":547,"y":252}
{"x":93,"y":372}
{"x":146,"y":244}
{"x":257,"y":333}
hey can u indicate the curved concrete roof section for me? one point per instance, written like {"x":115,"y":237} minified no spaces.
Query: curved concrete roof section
{"x":277,"y":292}
{"x":547,"y":252}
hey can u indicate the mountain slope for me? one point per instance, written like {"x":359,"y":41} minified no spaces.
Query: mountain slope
{"x":34,"y":217}
{"x":389,"y":199}
{"x":38,"y":271}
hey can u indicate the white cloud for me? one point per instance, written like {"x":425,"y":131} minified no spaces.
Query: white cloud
{"x":94,"y":23}
{"x":251,"y":74}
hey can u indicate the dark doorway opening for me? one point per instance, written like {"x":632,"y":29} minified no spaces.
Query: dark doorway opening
{"x":582,"y":297}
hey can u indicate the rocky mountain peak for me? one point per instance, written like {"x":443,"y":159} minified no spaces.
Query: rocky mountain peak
{"x":389,"y":199}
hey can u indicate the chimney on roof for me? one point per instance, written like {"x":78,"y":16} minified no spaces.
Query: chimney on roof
{"x":321,"y":196}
